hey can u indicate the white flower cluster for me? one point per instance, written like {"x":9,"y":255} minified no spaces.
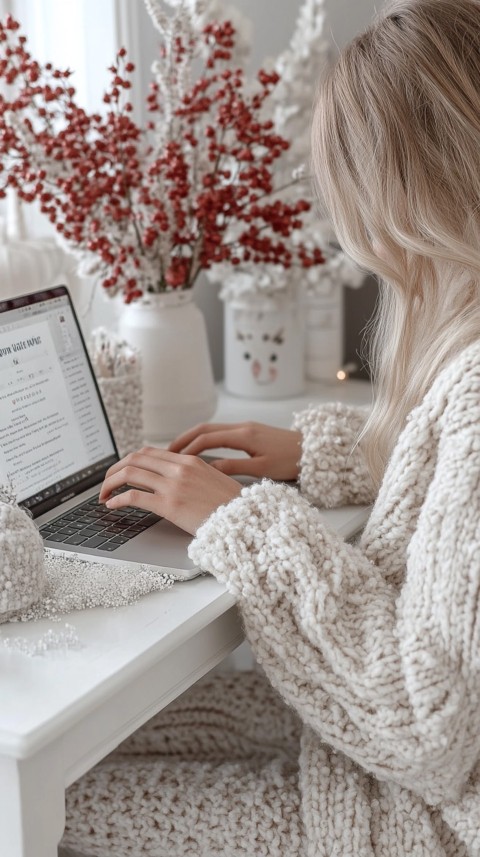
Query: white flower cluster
{"x":22,"y":572}
{"x":299,"y":67}
{"x":112,"y":356}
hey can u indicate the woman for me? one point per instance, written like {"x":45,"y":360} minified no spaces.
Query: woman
{"x":365,"y":740}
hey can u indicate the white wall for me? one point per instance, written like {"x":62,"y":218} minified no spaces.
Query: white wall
{"x":274,"y":21}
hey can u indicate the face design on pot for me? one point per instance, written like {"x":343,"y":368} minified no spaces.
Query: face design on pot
{"x":261,"y":351}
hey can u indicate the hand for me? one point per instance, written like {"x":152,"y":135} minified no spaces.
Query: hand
{"x":182,"y":488}
{"x":273,"y":452}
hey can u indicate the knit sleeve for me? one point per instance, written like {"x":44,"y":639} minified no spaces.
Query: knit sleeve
{"x":390,"y":679}
{"x":333,"y":471}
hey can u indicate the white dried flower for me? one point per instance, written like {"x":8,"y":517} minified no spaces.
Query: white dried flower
{"x":299,"y":173}
{"x":111,"y":355}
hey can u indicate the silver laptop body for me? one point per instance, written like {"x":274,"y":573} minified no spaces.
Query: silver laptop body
{"x":56,"y":443}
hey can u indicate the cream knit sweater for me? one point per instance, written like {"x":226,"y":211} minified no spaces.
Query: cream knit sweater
{"x":375,"y":646}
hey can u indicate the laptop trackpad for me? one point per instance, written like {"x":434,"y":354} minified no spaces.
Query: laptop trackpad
{"x":162,"y":544}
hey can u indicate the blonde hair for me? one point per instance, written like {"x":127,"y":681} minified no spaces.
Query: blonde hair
{"x":396,"y":156}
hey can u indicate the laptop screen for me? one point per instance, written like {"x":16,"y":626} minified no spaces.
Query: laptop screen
{"x":55,"y":440}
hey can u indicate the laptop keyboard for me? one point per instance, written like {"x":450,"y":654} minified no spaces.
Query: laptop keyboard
{"x":94,"y":526}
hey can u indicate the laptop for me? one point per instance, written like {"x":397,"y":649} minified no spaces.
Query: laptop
{"x":56,"y":443}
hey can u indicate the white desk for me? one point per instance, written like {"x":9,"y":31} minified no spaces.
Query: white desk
{"x":278,"y":412}
{"x":60,"y":714}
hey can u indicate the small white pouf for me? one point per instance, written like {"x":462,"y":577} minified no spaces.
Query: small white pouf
{"x":22,"y":571}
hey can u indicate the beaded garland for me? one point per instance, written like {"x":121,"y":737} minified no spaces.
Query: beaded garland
{"x":72,"y":583}
{"x":37,"y":583}
{"x":57,"y":640}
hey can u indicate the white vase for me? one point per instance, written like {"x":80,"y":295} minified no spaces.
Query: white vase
{"x":178,"y":387}
{"x":264,"y":347}
{"x":324,"y":334}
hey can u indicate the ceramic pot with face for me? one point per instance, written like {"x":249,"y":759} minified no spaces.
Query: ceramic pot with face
{"x":264,"y":347}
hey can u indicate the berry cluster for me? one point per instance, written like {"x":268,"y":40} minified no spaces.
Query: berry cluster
{"x":152,"y":207}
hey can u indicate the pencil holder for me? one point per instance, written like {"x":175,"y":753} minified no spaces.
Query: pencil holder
{"x":122,"y":398}
{"x":22,"y":572}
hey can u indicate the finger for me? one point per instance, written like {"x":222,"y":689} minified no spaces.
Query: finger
{"x":132,"y":459}
{"x":234,"y":438}
{"x":147,"y":458}
{"x":239,"y":466}
{"x":183,"y":440}
{"x":136,"y":498}
{"x":137,"y":477}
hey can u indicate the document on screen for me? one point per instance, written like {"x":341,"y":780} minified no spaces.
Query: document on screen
{"x":40,"y":439}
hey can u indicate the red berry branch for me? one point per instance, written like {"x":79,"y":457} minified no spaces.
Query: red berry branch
{"x":148,"y":209}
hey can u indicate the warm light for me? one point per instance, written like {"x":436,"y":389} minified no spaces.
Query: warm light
{"x":346,"y":371}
